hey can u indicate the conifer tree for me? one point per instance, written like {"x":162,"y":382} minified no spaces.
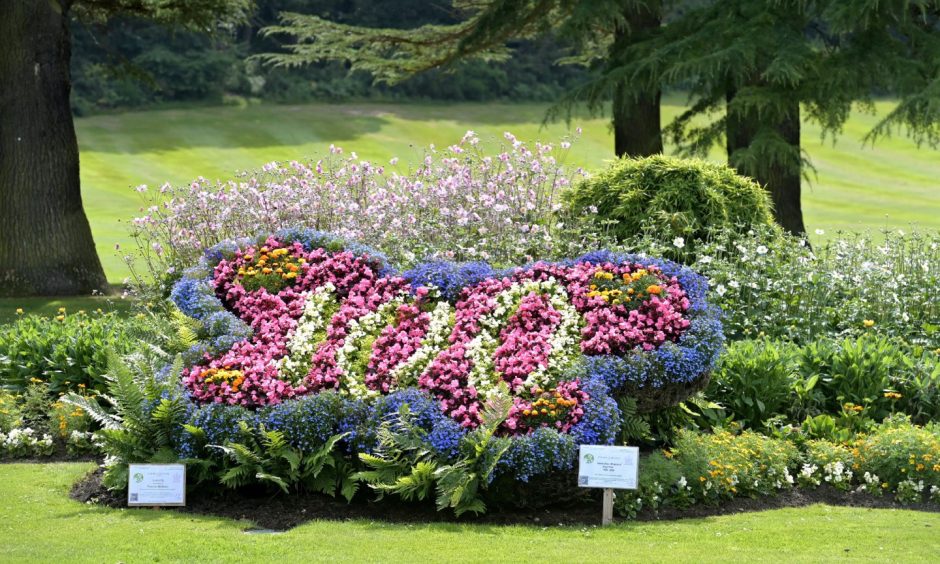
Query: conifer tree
{"x":601,"y":30}
{"x":754,"y":68}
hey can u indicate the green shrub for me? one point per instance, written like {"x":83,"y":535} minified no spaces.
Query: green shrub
{"x":778,"y":286}
{"x":827,"y":462}
{"x":854,"y":373}
{"x":675,"y":197}
{"x":710,"y":468}
{"x":65,"y":351}
{"x":754,"y":380}
{"x":902,"y":455}
{"x":10,"y":416}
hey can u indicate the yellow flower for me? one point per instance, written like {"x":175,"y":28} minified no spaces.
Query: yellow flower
{"x":868,"y":323}
{"x":61,"y":310}
{"x":60,"y":318}
{"x":19,"y":311}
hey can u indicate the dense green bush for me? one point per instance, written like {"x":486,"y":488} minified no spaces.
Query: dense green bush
{"x":754,"y":380}
{"x":710,"y":468}
{"x":68,"y":352}
{"x":830,"y":388}
{"x":672,"y":197}
{"x":779,"y":286}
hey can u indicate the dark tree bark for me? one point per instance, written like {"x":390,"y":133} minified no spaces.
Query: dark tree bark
{"x":46,"y":246}
{"x":636,"y":119}
{"x":783,"y":182}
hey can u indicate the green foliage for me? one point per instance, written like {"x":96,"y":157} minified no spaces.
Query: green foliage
{"x":403,"y":464}
{"x":710,"y":468}
{"x":265,"y":457}
{"x":672,"y":198}
{"x":11,"y":415}
{"x":633,"y":426}
{"x":779,"y":286}
{"x":754,"y":380}
{"x":139,"y":417}
{"x":66,"y":352}
{"x":830,"y":388}
{"x":131,"y":62}
{"x":898,"y":452}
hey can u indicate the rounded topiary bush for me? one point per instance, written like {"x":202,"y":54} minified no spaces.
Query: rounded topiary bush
{"x":676,"y":197}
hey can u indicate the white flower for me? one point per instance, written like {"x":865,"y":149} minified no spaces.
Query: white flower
{"x":678,"y":242}
{"x":762,"y":250}
{"x":705,"y":260}
{"x":720,"y":290}
{"x":734,"y":284}
{"x":820,"y":232}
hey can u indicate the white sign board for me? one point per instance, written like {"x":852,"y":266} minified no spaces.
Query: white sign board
{"x":156,"y":484}
{"x":608,"y":467}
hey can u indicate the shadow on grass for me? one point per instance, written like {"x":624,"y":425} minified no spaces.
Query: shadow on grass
{"x":272,"y":126}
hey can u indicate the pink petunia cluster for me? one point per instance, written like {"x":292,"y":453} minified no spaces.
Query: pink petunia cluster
{"x":525,"y":345}
{"x":325,"y":373}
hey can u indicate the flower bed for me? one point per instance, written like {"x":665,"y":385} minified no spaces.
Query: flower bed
{"x":315,"y":336}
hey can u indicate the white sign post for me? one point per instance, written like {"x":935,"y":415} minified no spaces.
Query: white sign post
{"x":608,"y":467}
{"x":155,"y":485}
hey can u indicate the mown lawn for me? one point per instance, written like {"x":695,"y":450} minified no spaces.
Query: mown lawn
{"x":891,"y":185}
{"x":49,"y":306}
{"x":38,"y":522}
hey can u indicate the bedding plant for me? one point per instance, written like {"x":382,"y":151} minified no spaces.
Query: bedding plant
{"x":471,"y":373}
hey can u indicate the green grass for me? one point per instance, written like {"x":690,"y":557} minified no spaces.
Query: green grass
{"x":38,"y":522}
{"x":889,"y":186}
{"x":49,"y":306}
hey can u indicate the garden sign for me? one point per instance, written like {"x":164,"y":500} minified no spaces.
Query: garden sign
{"x":608,"y":467}
{"x":154,"y":485}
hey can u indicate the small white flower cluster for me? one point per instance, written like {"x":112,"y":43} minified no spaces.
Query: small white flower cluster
{"x":302,"y":344}
{"x":911,"y":491}
{"x":782,"y":481}
{"x":24,"y":442}
{"x":872,"y":484}
{"x":837,"y":474}
{"x":81,"y":442}
{"x":807,"y":475}
{"x":435,"y":340}
{"x":564,"y":339}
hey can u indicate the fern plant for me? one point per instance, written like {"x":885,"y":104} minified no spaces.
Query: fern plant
{"x":139,"y":417}
{"x":264,"y":456}
{"x":407,"y":466}
{"x":633,"y":426}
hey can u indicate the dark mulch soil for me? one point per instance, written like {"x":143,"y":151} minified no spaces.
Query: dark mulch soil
{"x":280,"y":512}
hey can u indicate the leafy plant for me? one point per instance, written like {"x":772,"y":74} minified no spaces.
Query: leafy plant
{"x":405,"y":464}
{"x":140,"y":416}
{"x":671,"y":197}
{"x":65,"y":351}
{"x":754,"y":380}
{"x":266,"y":457}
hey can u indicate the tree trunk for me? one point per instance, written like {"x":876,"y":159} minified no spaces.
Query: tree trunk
{"x":781,"y":180}
{"x":636,"y":119}
{"x":46,"y":247}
